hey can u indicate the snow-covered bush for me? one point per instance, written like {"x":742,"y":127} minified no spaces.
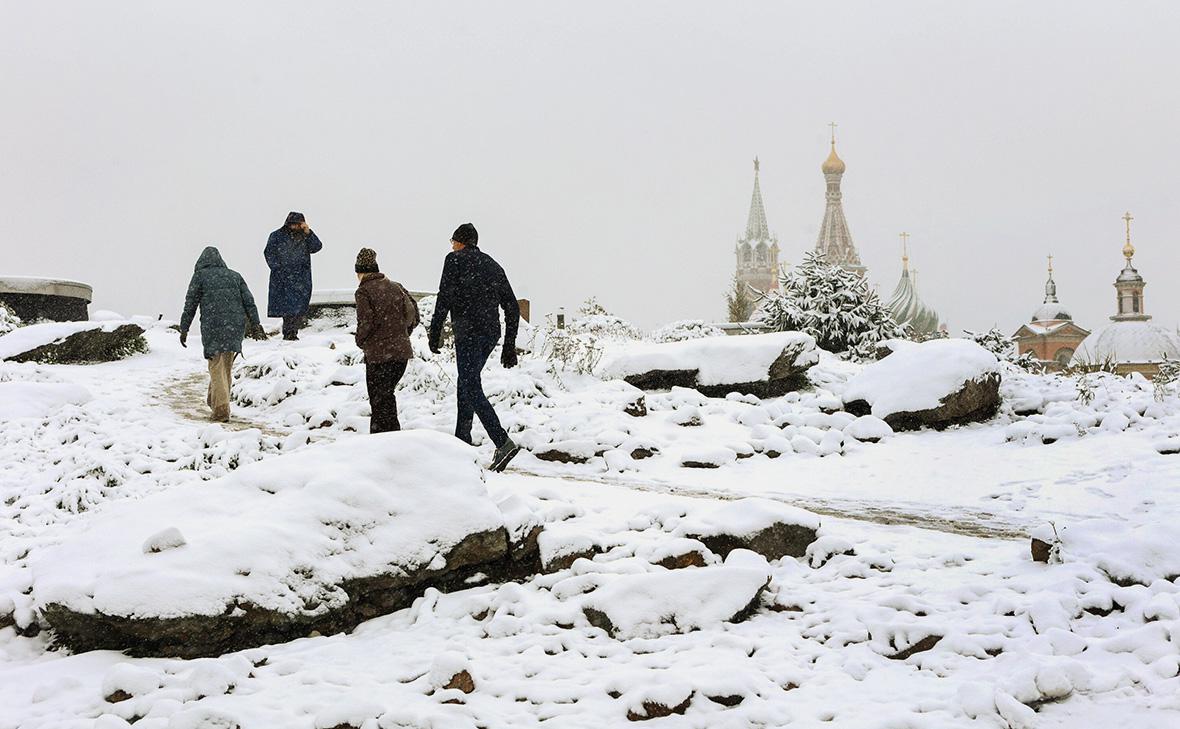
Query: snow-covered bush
{"x":595,"y":320}
{"x":1169,"y":373}
{"x":834,"y":305}
{"x":8,"y":320}
{"x":578,"y":345}
{"x":679,"y":331}
{"x":1004,"y":348}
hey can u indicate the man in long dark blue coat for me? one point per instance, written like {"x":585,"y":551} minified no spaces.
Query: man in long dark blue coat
{"x":227,"y":312}
{"x":288,"y":253}
{"x":472,"y":291}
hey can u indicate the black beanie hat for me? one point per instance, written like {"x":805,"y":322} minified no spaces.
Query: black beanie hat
{"x":466,"y":234}
{"x":366,"y":261}
{"x":294,"y":218}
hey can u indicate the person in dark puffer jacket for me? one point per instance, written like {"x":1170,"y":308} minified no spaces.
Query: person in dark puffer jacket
{"x":472,"y":291}
{"x":385,"y":316}
{"x":227,"y":310}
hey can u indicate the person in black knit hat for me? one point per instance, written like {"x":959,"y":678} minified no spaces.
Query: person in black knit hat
{"x":385,"y":316}
{"x":472,"y":290}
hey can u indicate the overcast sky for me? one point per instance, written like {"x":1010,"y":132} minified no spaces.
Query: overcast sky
{"x":600,"y":148}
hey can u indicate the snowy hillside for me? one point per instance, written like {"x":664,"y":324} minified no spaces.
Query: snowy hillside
{"x":903,"y":592}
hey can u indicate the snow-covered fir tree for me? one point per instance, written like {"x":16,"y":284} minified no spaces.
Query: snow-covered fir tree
{"x":834,"y":305}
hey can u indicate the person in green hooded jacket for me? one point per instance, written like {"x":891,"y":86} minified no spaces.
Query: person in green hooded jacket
{"x":227,"y":312}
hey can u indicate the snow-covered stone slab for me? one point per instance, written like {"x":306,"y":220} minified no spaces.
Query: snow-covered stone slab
{"x":1127,"y":554}
{"x":770,"y":528}
{"x":933,"y":384}
{"x":320,"y":539}
{"x":765,"y":365}
{"x":76,"y":342}
{"x":651,"y":604}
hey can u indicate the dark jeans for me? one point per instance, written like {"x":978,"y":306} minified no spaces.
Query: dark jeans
{"x":291,"y":325}
{"x":381,"y":380}
{"x":470,"y":357}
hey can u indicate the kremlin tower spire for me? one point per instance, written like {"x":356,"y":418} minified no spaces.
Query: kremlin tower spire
{"x":835,"y":244}
{"x":757,"y":251}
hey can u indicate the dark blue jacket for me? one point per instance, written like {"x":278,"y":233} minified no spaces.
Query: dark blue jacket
{"x":225,"y":302}
{"x":289,"y":258}
{"x":472,"y":290}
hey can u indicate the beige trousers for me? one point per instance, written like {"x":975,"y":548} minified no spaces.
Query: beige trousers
{"x":221,"y":374}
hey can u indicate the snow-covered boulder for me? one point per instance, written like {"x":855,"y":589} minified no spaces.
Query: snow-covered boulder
{"x":75,"y":342}
{"x":38,"y":399}
{"x":320,"y":539}
{"x":766,"y":365}
{"x":933,"y":384}
{"x":651,"y":604}
{"x":1125,"y":553}
{"x":770,"y":528}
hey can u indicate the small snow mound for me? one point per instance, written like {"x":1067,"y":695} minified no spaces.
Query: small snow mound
{"x":648,"y":605}
{"x":868,"y":428}
{"x":129,"y":679}
{"x":170,"y":538}
{"x":106,"y":315}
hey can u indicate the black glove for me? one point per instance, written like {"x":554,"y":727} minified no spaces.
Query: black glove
{"x":184,"y":339}
{"x":508,"y":357}
{"x":257,"y":332}
{"x":434,"y":347}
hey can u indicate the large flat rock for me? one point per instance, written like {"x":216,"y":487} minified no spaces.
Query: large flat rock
{"x":934,"y":384}
{"x":765,"y":365}
{"x":320,"y":539}
{"x":80,"y":342}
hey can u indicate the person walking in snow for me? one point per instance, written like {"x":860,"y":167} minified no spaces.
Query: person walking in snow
{"x":288,"y":254}
{"x":227,"y":311}
{"x":472,"y":289}
{"x":385,"y":316}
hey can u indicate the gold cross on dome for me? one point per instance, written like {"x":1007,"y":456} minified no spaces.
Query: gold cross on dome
{"x":833,"y":126}
{"x":1127,"y":217}
{"x":755,"y":164}
{"x":1050,"y":263}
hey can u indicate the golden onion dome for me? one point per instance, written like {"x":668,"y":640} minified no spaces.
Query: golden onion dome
{"x":833,"y":164}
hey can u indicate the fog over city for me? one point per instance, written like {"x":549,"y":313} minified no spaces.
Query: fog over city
{"x":601,"y":149}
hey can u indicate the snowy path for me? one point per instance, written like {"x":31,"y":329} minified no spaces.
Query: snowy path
{"x":185,"y":396}
{"x":949,"y":519}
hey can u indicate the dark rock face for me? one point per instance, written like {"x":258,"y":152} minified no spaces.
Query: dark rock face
{"x":974,"y":402}
{"x":92,"y":345}
{"x":34,"y":307}
{"x":564,"y":561}
{"x":246,"y":626}
{"x":691,"y":558}
{"x":553,"y":455}
{"x":782,"y":377}
{"x":637,"y":408}
{"x":1041,"y":550}
{"x":774,"y":542}
{"x":920,"y":647}
{"x":655,"y":710}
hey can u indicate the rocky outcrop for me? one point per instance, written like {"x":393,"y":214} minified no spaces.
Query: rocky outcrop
{"x":315,"y":541}
{"x":973,"y":402}
{"x":763,"y":365}
{"x":246,"y":625}
{"x":96,"y":344}
{"x":772,"y":529}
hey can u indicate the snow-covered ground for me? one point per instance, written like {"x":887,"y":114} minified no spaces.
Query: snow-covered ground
{"x":919,"y":605}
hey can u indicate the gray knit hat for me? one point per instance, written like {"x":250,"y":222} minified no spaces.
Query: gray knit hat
{"x":366,"y":261}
